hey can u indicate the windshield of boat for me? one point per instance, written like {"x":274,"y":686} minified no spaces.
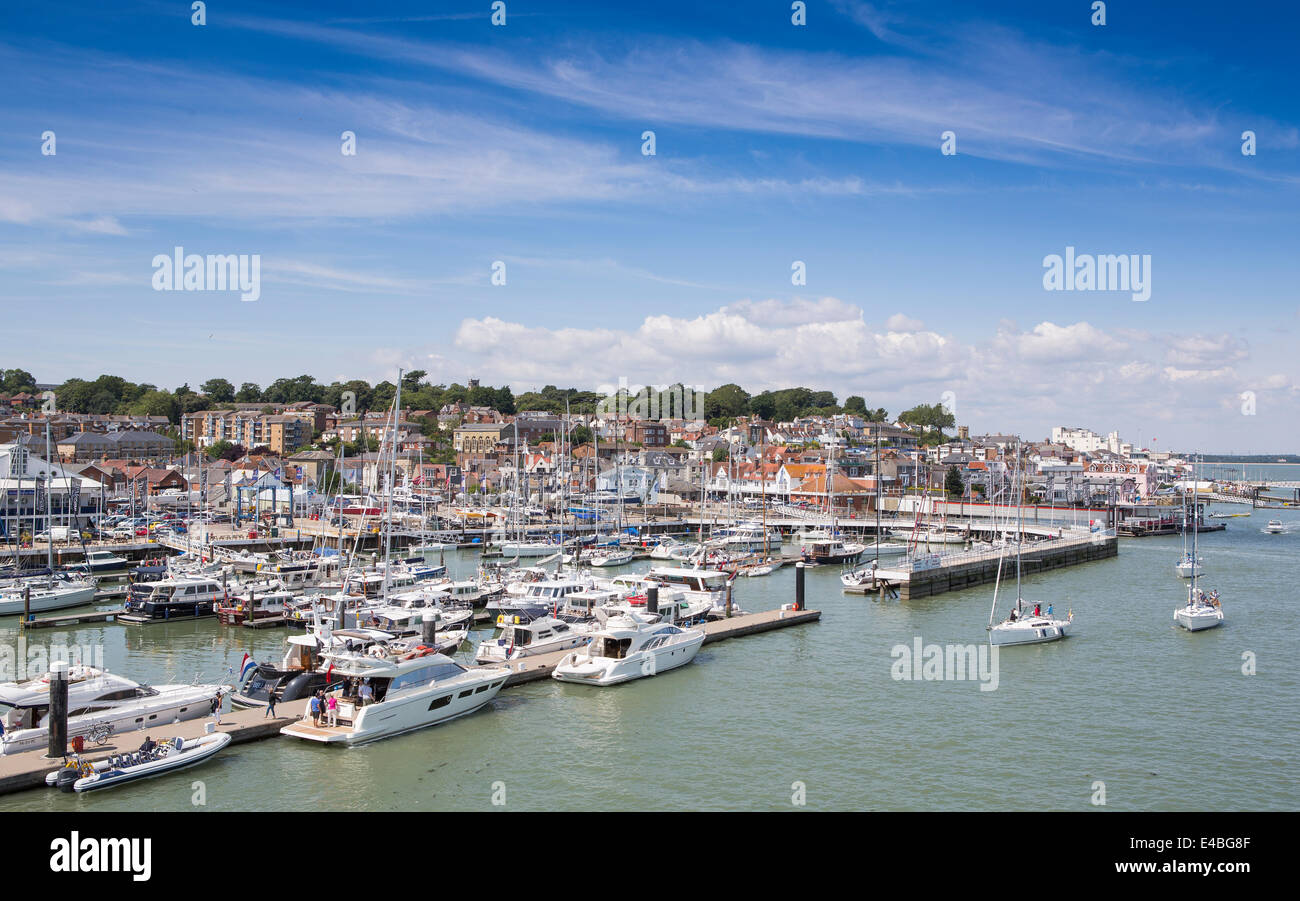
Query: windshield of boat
{"x":425,"y":675}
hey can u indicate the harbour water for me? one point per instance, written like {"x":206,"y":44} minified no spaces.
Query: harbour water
{"x":1167,"y":720}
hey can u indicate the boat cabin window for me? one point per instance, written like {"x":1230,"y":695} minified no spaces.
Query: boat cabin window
{"x":610,"y":648}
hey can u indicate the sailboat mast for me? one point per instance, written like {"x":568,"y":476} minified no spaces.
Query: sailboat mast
{"x":1020,"y":522}
{"x":49,"y":503}
{"x":392,"y":475}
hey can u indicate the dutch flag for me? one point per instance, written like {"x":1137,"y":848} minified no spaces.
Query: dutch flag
{"x":246,"y":667}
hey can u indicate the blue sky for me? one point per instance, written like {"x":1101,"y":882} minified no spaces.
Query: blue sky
{"x":774,"y":143}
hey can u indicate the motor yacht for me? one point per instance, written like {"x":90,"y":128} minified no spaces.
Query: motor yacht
{"x":696,"y":585}
{"x":98,"y":563}
{"x":383,"y":695}
{"x":167,"y":598}
{"x":1274,"y":527}
{"x":252,"y":605}
{"x":521,"y":638}
{"x":629,"y":647}
{"x":99,"y":704}
{"x":832,"y":550}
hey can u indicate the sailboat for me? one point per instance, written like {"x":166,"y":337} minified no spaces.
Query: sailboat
{"x":1189,"y":565}
{"x":1202,"y":611}
{"x":1021,"y":627}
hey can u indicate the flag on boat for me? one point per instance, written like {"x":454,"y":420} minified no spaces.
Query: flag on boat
{"x":246,"y":667}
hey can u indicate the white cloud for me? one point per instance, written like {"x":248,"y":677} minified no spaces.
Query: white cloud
{"x":901,"y":323}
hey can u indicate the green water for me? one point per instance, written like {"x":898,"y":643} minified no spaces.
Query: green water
{"x":1166,"y":719}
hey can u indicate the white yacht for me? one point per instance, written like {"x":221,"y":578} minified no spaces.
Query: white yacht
{"x":709,"y":585}
{"x":1023,"y":627}
{"x":385,"y":696}
{"x":50,"y":594}
{"x":528,"y":639}
{"x":1201,"y":611}
{"x":629,"y":647}
{"x":611,"y":557}
{"x":99,"y":704}
{"x":664,"y":549}
{"x":98,"y":562}
{"x":674,"y":602}
{"x":1274,"y":527}
{"x":1189,"y":566}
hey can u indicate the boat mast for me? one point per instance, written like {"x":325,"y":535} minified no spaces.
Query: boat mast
{"x":877,"y":492}
{"x":1020,"y":523}
{"x":1195,"y":484}
{"x":49,"y":504}
{"x":392,"y":476}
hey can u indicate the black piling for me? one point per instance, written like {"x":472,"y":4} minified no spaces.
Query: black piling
{"x":652,"y":600}
{"x":58,"y":745}
{"x":798,"y":586}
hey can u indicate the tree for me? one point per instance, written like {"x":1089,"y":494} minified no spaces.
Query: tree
{"x":248,"y":393}
{"x":952,"y":482}
{"x":411,"y":380}
{"x":855,"y":404}
{"x":219,"y":390}
{"x":14,"y":381}
{"x":157,"y":403}
{"x":727,"y":401}
{"x":721,"y":453}
{"x":933,"y":416}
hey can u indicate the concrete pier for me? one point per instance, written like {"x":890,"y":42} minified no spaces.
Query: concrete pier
{"x":953,"y":572}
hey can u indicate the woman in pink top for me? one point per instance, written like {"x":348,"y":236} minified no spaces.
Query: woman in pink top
{"x":331,"y":707}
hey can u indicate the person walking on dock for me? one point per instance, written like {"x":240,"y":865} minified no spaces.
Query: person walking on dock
{"x":270,"y":704}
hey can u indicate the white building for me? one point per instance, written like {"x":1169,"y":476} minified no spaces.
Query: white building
{"x":1089,"y":442}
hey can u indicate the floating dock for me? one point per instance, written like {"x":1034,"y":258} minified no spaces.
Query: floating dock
{"x":27,"y":770}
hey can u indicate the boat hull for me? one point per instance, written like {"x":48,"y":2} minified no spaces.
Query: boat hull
{"x":601,"y":671}
{"x":1197,"y":619}
{"x":1036,"y":630}
{"x":416,"y":711}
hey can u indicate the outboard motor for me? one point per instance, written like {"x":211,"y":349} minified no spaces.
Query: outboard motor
{"x":67,"y":776}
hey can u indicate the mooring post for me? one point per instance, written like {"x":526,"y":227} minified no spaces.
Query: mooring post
{"x":58,"y":731}
{"x":429,"y":630}
{"x":652,"y":600}
{"x":798,"y":586}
